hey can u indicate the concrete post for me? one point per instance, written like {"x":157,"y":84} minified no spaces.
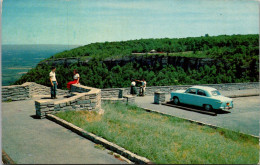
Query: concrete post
{"x":159,"y":97}
{"x":120,"y":94}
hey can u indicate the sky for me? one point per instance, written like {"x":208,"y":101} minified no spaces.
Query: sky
{"x":81,"y":22}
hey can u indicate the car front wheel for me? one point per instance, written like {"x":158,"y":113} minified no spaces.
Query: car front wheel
{"x":176,"y":100}
{"x":208,"y":107}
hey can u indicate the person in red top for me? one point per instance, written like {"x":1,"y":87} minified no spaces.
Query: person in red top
{"x":75,"y":77}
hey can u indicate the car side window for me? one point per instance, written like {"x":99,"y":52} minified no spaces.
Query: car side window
{"x":201,"y":93}
{"x":191,"y":91}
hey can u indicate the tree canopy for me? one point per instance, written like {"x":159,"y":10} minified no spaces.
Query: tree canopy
{"x":238,"y":56}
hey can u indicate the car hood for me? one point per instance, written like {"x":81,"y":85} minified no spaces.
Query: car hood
{"x":222,"y":98}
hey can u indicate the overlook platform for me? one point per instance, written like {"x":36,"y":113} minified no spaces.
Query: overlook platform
{"x":81,"y":98}
{"x":28,"y":140}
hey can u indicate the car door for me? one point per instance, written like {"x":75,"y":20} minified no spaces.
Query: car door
{"x":201,"y":98}
{"x":190,"y":96}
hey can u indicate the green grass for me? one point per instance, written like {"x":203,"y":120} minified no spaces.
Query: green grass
{"x":165,"y":139}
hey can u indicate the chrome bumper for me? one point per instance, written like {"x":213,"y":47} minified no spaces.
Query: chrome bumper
{"x":225,"y":108}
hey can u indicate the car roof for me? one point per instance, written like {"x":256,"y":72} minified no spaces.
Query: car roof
{"x":204,"y":88}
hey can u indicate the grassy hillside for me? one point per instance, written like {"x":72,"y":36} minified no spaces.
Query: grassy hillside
{"x":239,"y":56}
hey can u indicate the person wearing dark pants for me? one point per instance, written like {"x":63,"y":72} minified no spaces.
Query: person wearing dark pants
{"x":133,"y":88}
{"x":142,"y":87}
{"x":54,"y":83}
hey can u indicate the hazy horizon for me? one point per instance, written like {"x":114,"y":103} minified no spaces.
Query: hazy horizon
{"x":81,"y":22}
{"x":126,"y":40}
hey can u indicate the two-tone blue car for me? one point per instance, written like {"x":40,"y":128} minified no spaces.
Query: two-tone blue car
{"x":202,"y":96}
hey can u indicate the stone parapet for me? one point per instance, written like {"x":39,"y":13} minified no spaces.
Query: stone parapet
{"x":80,"y":100}
{"x":15,"y":92}
{"x":80,"y":88}
{"x":130,"y":99}
{"x":114,"y":100}
{"x":115,"y":92}
{"x":37,"y":89}
{"x":26,"y":91}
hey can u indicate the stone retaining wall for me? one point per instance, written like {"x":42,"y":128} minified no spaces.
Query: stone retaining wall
{"x":114,"y":100}
{"x":15,"y":92}
{"x":127,"y":99}
{"x":114,"y":92}
{"x":26,"y":91}
{"x":37,"y":89}
{"x":84,"y":98}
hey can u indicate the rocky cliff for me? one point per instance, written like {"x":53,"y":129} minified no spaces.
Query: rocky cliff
{"x":184,"y":62}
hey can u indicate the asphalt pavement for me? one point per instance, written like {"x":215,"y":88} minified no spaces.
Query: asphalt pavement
{"x":40,"y":141}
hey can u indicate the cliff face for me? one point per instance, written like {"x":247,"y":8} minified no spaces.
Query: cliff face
{"x":184,"y":62}
{"x":151,"y":60}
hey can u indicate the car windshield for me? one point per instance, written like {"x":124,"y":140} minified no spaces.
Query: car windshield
{"x":215,"y":93}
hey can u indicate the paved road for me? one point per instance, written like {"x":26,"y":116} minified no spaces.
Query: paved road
{"x":34,"y":141}
{"x":244,"y":117}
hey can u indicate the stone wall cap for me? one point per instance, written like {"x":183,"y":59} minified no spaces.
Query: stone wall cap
{"x":12,"y":86}
{"x":112,"y":99}
{"x":94,"y":90}
{"x":159,"y":92}
{"x":129,"y":96}
{"x":83,"y":86}
{"x":44,"y":101}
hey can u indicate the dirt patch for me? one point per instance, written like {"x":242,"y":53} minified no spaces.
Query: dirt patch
{"x":91,"y":116}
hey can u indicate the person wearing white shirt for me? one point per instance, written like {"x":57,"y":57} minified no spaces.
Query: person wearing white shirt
{"x":54,"y":83}
{"x":75,"y":77}
{"x":142,"y":87}
{"x":133,"y":88}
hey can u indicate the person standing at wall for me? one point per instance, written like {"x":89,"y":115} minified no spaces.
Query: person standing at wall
{"x":75,"y":77}
{"x":133,"y":88}
{"x":54,"y":83}
{"x":142,"y":87}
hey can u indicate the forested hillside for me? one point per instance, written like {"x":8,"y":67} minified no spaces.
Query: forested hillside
{"x":239,"y":56}
{"x":124,"y":48}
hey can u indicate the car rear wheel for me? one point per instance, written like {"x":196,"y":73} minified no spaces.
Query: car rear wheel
{"x":176,"y":100}
{"x":208,"y":107}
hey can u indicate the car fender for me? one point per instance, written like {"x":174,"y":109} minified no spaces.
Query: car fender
{"x":176,"y":94}
{"x":215,"y":103}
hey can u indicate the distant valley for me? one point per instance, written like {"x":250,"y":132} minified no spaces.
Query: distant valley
{"x":18,"y":59}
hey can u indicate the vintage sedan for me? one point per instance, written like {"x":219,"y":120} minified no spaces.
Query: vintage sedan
{"x":202,"y":96}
